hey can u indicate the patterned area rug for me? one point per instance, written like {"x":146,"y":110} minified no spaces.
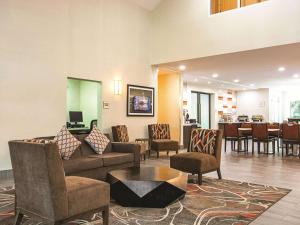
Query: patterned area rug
{"x":216,"y":202}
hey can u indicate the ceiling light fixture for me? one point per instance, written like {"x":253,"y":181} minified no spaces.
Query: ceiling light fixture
{"x":281,"y":69}
{"x":215,"y":75}
{"x":252,"y":85}
{"x":208,"y":82}
{"x":182,"y":67}
{"x":236,"y":81}
{"x":296,"y":75}
{"x":195,"y":80}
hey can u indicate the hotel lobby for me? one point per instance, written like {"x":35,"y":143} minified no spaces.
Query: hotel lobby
{"x":141,"y":112}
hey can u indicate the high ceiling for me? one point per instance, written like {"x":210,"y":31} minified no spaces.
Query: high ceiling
{"x":253,"y":69}
{"x":147,"y":4}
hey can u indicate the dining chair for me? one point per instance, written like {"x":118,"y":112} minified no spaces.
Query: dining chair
{"x":290,"y":136}
{"x":260,"y":135}
{"x":232,"y":134}
{"x":275,"y":134}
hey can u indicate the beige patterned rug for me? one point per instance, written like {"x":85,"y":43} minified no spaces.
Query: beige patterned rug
{"x":216,"y":202}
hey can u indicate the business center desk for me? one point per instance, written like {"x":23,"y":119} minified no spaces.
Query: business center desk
{"x":79,"y":130}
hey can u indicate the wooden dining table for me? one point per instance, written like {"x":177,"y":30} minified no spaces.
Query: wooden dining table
{"x":250,"y":129}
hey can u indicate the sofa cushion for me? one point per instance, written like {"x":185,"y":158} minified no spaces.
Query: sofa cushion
{"x":81,"y":164}
{"x":115,"y":158}
{"x":86,"y":194}
{"x":194,"y":162}
{"x":97,"y":140}
{"x":164,"y":144}
{"x":67,"y":143}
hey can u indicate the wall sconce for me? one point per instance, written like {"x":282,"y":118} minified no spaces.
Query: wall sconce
{"x":117,"y":87}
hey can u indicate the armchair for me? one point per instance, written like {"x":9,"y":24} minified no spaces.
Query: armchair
{"x":43,"y":191}
{"x":160,"y":139}
{"x":120,"y":134}
{"x":204,"y":155}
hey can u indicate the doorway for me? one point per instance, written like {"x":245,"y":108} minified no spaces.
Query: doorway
{"x":200,"y":108}
{"x":83,"y":102}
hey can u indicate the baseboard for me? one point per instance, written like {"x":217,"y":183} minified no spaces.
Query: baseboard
{"x":6,"y":174}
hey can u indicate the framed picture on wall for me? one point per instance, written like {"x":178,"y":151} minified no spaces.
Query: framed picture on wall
{"x":140,"y":100}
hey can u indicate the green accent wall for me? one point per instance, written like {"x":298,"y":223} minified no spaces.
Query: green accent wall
{"x":85,"y":96}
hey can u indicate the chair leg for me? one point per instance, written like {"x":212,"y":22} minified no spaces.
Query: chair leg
{"x":225,"y":144}
{"x":105,"y":215}
{"x":18,"y":218}
{"x":200,"y":178}
{"x":157,"y":154}
{"x":252,"y":146}
{"x":167,"y":153}
{"x":219,"y":173}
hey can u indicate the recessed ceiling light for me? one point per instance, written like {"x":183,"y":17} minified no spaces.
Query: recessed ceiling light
{"x":215,"y":75}
{"x":281,"y":69}
{"x":209,"y":82}
{"x":296,"y":75}
{"x":252,"y":85}
{"x":236,"y":81}
{"x":182,"y":67}
{"x":244,"y":89}
{"x":195,"y":80}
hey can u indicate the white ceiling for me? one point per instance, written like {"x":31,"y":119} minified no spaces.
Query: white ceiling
{"x":147,"y":4}
{"x":259,"y":67}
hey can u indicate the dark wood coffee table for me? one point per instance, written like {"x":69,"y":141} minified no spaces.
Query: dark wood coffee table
{"x":150,"y":187}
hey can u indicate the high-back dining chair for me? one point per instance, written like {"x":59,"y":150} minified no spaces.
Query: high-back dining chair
{"x":260,"y":135}
{"x":232,"y":134}
{"x":290,"y":136}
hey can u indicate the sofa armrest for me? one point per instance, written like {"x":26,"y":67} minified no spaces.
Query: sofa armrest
{"x":128,"y":148}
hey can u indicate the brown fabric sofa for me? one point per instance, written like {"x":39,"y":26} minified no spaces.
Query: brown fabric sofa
{"x":86,"y":163}
{"x":44,"y":192}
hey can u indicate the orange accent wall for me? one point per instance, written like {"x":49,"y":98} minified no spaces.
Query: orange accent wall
{"x":169,"y":86}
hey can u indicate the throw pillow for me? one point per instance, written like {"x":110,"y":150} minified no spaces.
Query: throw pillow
{"x":97,"y":140}
{"x":67,"y":143}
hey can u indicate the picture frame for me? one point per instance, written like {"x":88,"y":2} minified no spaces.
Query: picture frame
{"x":140,"y":101}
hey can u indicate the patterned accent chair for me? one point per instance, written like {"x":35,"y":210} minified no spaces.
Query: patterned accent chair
{"x":204,"y":155}
{"x":120,"y":134}
{"x":44,"y":192}
{"x":160,"y":139}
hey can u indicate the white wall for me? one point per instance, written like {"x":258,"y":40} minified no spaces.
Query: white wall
{"x":183,"y":29}
{"x":253,"y":102}
{"x":43,"y":42}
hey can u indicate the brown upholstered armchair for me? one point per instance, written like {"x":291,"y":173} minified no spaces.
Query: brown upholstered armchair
{"x":160,"y":139}
{"x":120,"y":134}
{"x":204,"y":155}
{"x":43,"y":192}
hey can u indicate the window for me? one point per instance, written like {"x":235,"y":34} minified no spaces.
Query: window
{"x":250,"y":2}
{"x":295,"y":109}
{"x":218,"y":6}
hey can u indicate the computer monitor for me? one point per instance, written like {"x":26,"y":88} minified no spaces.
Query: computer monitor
{"x":75,"y":117}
